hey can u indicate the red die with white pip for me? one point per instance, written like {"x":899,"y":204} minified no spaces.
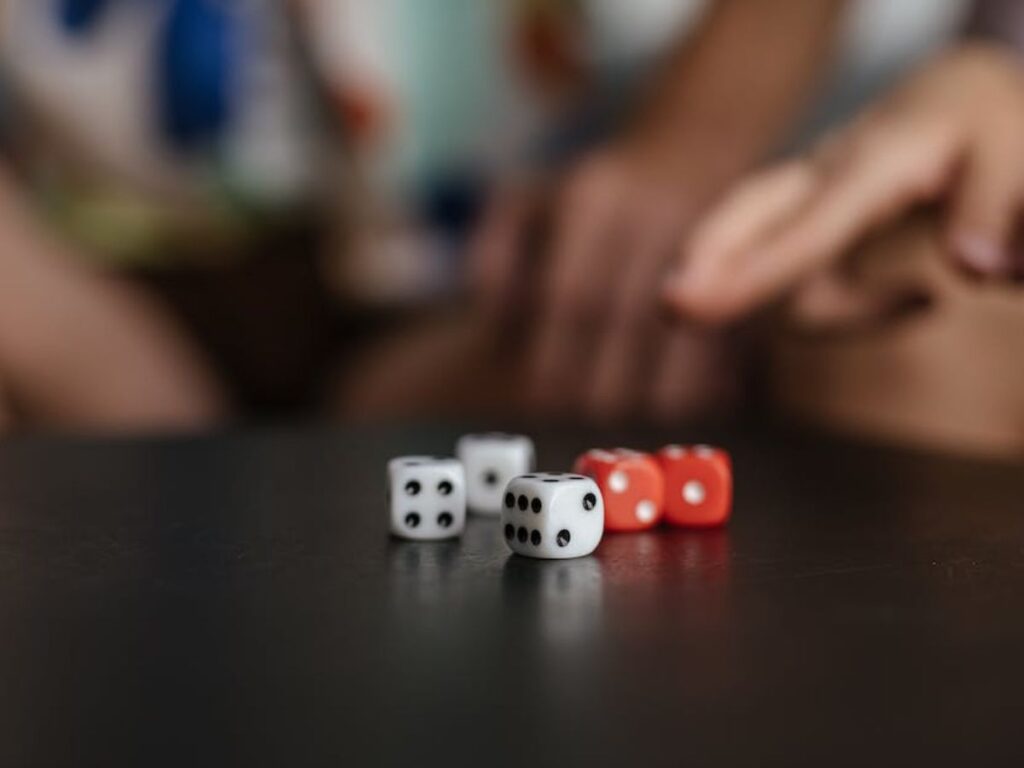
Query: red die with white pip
{"x":631,"y":485}
{"x":698,"y":485}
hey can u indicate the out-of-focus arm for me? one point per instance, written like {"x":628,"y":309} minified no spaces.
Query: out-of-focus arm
{"x":729,"y":94}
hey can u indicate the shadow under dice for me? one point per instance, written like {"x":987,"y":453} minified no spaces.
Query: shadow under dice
{"x":552,"y":515}
{"x":698,"y":485}
{"x":631,"y":484}
{"x":426,"y":497}
{"x":490,"y":461}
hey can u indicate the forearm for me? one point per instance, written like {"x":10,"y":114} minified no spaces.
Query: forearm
{"x":728,"y":97}
{"x":83,"y":348}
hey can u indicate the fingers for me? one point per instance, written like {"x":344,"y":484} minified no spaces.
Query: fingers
{"x":986,"y":210}
{"x":623,"y":356}
{"x":498,"y":249}
{"x":691,"y":374}
{"x":745,"y":218}
{"x":755,"y":209}
{"x":578,"y":277}
{"x":872,"y":189}
{"x":829,"y":300}
{"x":836,"y":303}
{"x":879,"y":177}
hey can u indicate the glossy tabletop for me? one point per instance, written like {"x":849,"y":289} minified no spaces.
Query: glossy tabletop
{"x":237,"y":600}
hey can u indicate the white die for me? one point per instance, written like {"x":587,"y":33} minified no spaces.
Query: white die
{"x":426,"y":497}
{"x":490,"y":461}
{"x":552,"y":515}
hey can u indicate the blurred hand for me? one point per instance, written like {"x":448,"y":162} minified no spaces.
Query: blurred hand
{"x":604,"y":237}
{"x":954,"y":133}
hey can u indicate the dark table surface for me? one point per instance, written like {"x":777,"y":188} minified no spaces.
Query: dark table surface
{"x":236,"y":600}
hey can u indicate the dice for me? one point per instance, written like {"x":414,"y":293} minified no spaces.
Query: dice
{"x":426,"y":497}
{"x":631,"y":484}
{"x":490,"y":461}
{"x":698,"y":485}
{"x":552,"y":515}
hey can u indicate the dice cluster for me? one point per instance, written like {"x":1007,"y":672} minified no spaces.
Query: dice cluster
{"x":689,"y":486}
{"x":557,"y":514}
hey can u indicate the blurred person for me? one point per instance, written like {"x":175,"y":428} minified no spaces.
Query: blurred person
{"x":569,"y":257}
{"x":950,"y":138}
{"x":719,"y":103}
{"x":157,"y":202}
{"x":171,"y":176}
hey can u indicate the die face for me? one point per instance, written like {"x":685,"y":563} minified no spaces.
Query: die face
{"x":632,"y":485}
{"x":552,"y":515}
{"x":490,"y":461}
{"x":426,"y":497}
{"x":698,"y":485}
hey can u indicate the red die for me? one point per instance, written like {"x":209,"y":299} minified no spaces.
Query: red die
{"x":698,"y":485}
{"x":631,"y":485}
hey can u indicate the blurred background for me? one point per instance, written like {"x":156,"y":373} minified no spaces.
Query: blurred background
{"x":249,"y":210}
